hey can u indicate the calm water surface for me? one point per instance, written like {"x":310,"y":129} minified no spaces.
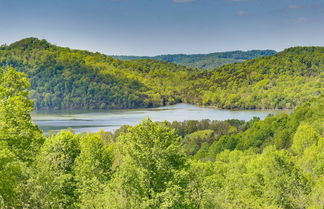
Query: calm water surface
{"x":93,"y":121}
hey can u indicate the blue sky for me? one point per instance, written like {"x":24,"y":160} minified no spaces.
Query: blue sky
{"x":152,"y":27}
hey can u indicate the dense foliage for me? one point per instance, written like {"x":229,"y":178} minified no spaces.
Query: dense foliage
{"x":62,"y":78}
{"x":206,"y":61}
{"x":285,"y":80}
{"x":273,"y":163}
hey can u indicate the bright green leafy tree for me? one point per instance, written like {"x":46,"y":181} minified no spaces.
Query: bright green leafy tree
{"x":152,"y":173}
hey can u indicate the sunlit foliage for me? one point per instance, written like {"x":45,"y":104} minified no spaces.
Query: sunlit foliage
{"x":276,"y":163}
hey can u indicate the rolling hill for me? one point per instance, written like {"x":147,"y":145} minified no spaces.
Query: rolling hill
{"x":284,"y":80}
{"x":62,"y":78}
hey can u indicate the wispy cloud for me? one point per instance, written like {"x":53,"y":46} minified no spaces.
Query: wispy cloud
{"x":309,"y":7}
{"x":241,"y":13}
{"x":302,"y":20}
{"x":293,"y":6}
{"x":182,"y":1}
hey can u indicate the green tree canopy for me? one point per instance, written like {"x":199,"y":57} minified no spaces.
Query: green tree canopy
{"x":152,"y":173}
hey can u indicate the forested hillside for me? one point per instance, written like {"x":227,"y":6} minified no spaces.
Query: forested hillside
{"x":273,"y":163}
{"x":62,"y":78}
{"x":206,"y":61}
{"x":284,"y":80}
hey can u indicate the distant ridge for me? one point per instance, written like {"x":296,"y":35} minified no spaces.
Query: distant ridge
{"x":206,"y":61}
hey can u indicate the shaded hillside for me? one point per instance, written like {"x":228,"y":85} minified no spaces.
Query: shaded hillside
{"x":206,"y":61}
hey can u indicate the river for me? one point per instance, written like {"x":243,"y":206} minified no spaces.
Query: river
{"x":110,"y":120}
